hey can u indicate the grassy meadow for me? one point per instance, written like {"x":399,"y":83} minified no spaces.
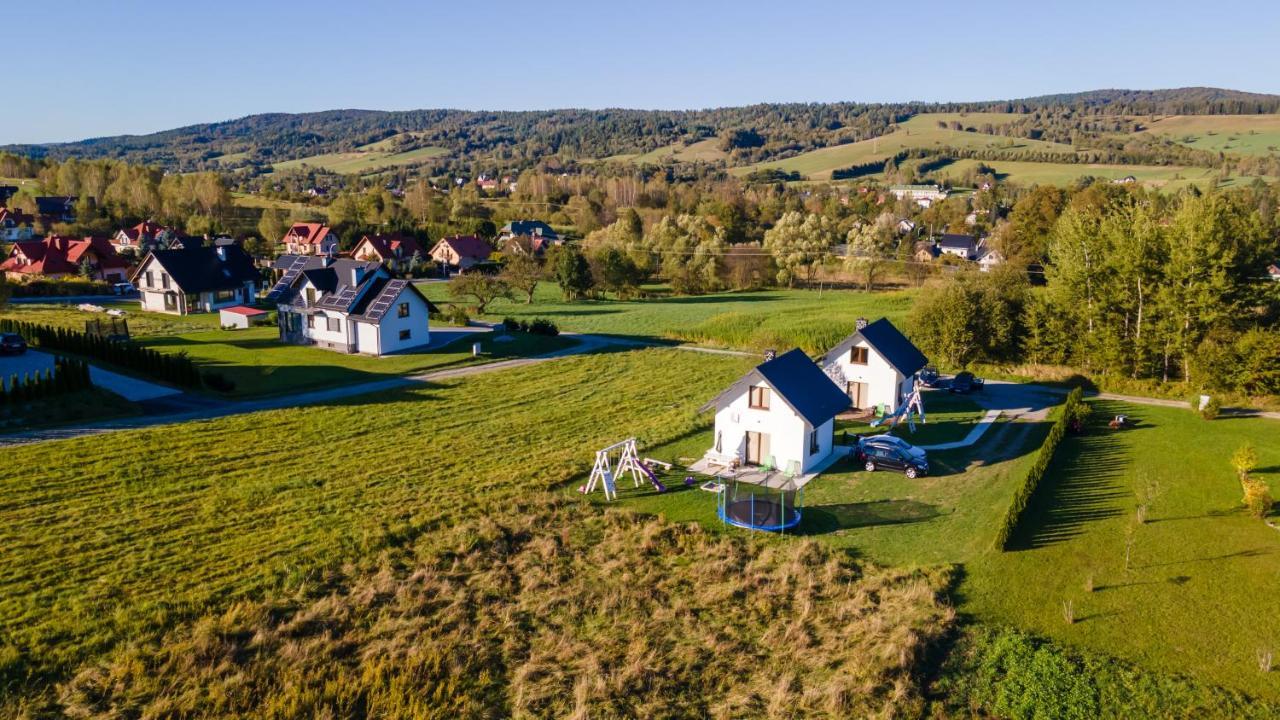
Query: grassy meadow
{"x":1231,"y":134}
{"x":363,"y":160}
{"x":776,"y":318}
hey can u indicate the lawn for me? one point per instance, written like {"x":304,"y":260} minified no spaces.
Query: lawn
{"x":119,"y":538}
{"x":1030,"y":173}
{"x":141,"y":323}
{"x":921,"y":131}
{"x":1199,"y":593}
{"x":1232,"y":134}
{"x":778,"y":318}
{"x":259,"y":364}
{"x":948,"y":417}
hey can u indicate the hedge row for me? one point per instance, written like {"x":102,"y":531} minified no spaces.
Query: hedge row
{"x":537,"y":326}
{"x":177,"y":369}
{"x":60,"y":288}
{"x":1031,"y":481}
{"x":66,"y":376}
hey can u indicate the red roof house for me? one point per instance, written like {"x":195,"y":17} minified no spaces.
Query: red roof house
{"x":395,"y":251}
{"x":461,"y":251}
{"x":310,"y":239}
{"x":59,"y":257}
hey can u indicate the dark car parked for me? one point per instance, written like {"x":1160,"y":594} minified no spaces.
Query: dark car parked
{"x":887,"y":452}
{"x":12,"y":344}
{"x":929,"y":376}
{"x":965,"y":382}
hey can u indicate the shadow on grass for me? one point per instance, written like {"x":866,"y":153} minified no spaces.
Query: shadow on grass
{"x":822,"y":519}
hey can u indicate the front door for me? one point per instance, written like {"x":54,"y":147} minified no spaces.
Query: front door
{"x":757,"y":448}
{"x":858,"y":394}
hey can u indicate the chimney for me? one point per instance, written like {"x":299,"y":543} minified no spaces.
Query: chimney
{"x":861,"y":323}
{"x":770,"y":354}
{"x":357,"y":274}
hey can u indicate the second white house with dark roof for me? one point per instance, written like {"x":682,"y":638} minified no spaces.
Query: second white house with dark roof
{"x":876,"y":365}
{"x":780,"y":414}
{"x":352,"y":306}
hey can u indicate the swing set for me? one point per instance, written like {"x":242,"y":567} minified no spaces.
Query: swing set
{"x":605,"y":474}
{"x":912,"y":406}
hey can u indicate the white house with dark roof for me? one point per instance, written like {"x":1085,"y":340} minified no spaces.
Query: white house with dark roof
{"x":962,"y":246}
{"x":352,"y":306}
{"x":196,"y":279}
{"x":781,"y":414}
{"x":876,"y":365}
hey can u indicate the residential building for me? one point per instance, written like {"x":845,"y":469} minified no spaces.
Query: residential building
{"x":527,"y":228}
{"x":351,"y":306}
{"x":196,"y":279}
{"x":1273,"y":271}
{"x":875,"y":366}
{"x":459,"y":252}
{"x":962,"y":246}
{"x":57,"y":257}
{"x":15,"y":226}
{"x":143,"y":237}
{"x":6,"y":192}
{"x":310,"y":239}
{"x":923,"y":195}
{"x":396,"y":251}
{"x":988,"y":257}
{"x":781,"y":414}
{"x":925,"y":251}
{"x":56,"y":208}
{"x":906,"y":227}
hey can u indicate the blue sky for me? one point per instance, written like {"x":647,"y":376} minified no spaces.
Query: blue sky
{"x":86,"y":68}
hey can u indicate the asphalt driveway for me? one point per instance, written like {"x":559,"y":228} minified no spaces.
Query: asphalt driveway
{"x":130,"y":388}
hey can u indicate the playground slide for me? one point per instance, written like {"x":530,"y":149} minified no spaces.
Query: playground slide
{"x":657,"y":484}
{"x":891,"y":419}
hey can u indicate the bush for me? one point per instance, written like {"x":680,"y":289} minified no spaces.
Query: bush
{"x":543,"y":327}
{"x":1257,"y":497}
{"x":457,"y":315}
{"x":219,"y":382}
{"x":511,"y":324}
{"x":60,"y":288}
{"x":68,"y":375}
{"x":1066,"y":412}
{"x":177,"y":369}
{"x":1211,"y":409}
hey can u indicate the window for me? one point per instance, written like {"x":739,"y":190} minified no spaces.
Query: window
{"x":334,"y":324}
{"x":403,"y":310}
{"x":311,"y":322}
{"x":164,"y":280}
{"x":170,"y":301}
{"x":311,"y":296}
{"x":151,"y":281}
{"x":719,"y":442}
{"x":813,"y":442}
{"x":404,"y":334}
{"x":858,"y":355}
{"x":224,"y":295}
{"x":759,"y":398}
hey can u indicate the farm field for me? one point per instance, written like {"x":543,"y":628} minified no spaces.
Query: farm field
{"x":362,"y":161}
{"x":1031,"y":173}
{"x":921,"y":131}
{"x":1198,"y":595}
{"x":253,"y":200}
{"x":702,"y":151}
{"x":1232,"y":134}
{"x":744,"y":320}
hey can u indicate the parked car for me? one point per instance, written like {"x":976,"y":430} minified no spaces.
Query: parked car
{"x":12,"y":344}
{"x":929,"y":376}
{"x":965,"y":382}
{"x":888,"y":452}
{"x":123,"y":288}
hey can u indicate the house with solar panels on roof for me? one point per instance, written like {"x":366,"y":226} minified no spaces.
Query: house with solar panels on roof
{"x":875,"y":366}
{"x":351,"y":306}
{"x":780,"y":415}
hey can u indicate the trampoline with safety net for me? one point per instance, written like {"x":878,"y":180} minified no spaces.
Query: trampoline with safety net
{"x":770,"y":503}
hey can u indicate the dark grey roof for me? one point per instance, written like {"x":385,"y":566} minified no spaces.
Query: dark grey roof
{"x":528,"y":227}
{"x":55,"y":205}
{"x":200,"y":269}
{"x":6,"y":192}
{"x":953,"y":240}
{"x":885,"y":339}
{"x":798,"y":381}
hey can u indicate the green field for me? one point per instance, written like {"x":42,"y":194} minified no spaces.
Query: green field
{"x":702,"y":151}
{"x":743,"y":320}
{"x":296,"y":209}
{"x":1231,"y":134}
{"x":921,"y":131}
{"x":362,"y":161}
{"x":1031,"y":173}
{"x":67,"y":315}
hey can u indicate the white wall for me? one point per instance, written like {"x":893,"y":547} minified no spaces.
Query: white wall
{"x":154,"y":302}
{"x":788,"y":432}
{"x":417,"y":324}
{"x":367,"y":339}
{"x":884,"y":382}
{"x":321,"y":333}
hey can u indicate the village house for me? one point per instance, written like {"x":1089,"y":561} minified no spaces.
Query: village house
{"x":142,"y":237}
{"x":1273,"y":271}
{"x":6,"y":192}
{"x":196,"y":279}
{"x":875,"y":366}
{"x":351,"y":306}
{"x":459,"y":252}
{"x":396,"y":252}
{"x":527,"y":228}
{"x":906,"y":227}
{"x":988,"y":257}
{"x":962,"y":246}
{"x":56,"y":209}
{"x":15,"y":226}
{"x":923,"y":195}
{"x":925,"y":251}
{"x":310,"y":239}
{"x":57,"y":257}
{"x":781,"y":414}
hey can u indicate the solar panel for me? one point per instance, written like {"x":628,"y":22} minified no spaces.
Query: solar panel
{"x":382,"y":303}
{"x":339,"y":301}
{"x":286,"y":281}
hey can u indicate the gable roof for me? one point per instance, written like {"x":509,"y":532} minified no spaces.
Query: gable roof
{"x":147,"y":228}
{"x":957,"y":241}
{"x":16,"y":218}
{"x":198,"y":269}
{"x":391,"y":246}
{"x":310,"y":233}
{"x":332,"y":277}
{"x":55,"y":205}
{"x":56,"y":254}
{"x":467,"y":246}
{"x":528,"y":227}
{"x":798,"y":381}
{"x":885,"y":339}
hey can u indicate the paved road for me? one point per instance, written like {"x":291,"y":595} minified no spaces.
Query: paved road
{"x":130,"y":388}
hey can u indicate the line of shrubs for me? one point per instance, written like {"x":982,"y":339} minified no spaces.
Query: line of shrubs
{"x":60,"y":288}
{"x":175,"y":368}
{"x":1068,"y":412}
{"x":66,"y":376}
{"x":537,"y":326}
